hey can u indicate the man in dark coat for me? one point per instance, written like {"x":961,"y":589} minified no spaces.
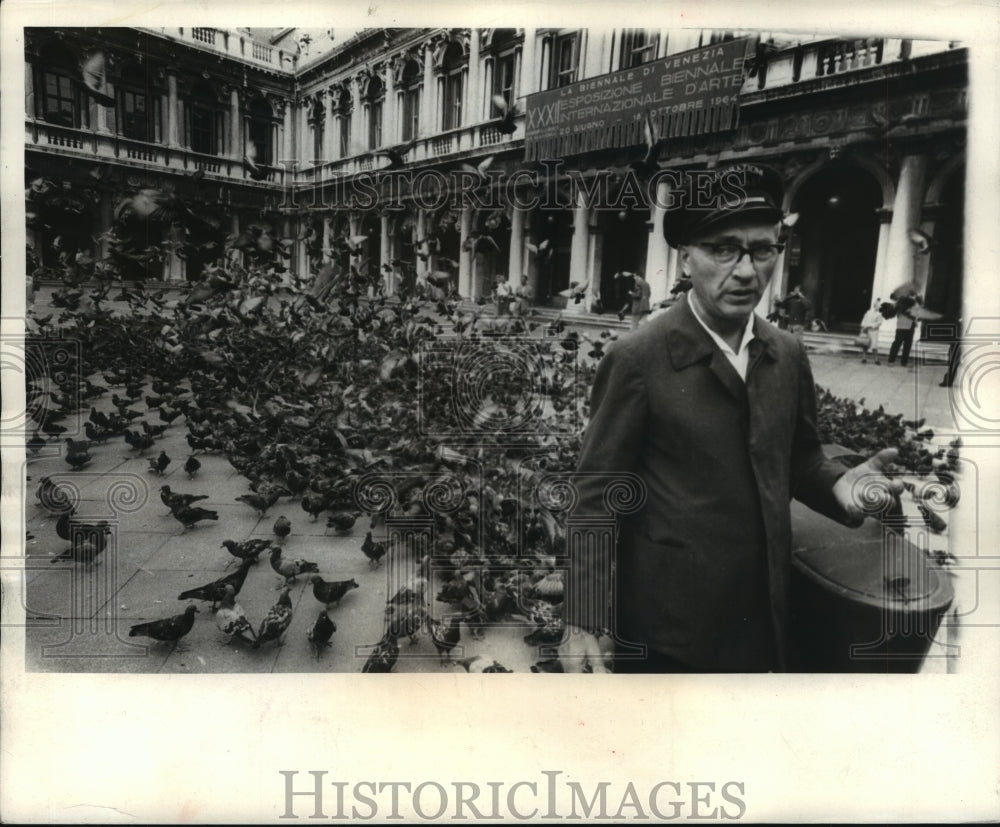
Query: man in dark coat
{"x":713,"y":411}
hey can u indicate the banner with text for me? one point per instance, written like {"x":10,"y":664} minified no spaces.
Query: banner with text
{"x":690,"y":93}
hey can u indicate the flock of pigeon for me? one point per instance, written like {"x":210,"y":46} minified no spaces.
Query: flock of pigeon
{"x":304,"y":399}
{"x":307,"y":393}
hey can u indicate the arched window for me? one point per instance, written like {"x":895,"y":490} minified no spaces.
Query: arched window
{"x":61,"y":100}
{"x":261,"y":129}
{"x":317,"y":121}
{"x":376,"y":103}
{"x":453,"y":68}
{"x":205,"y":122}
{"x":345,"y":106}
{"x":410,"y":109}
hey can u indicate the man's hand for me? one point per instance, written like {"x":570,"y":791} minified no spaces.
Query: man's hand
{"x":865,"y":490}
{"x":580,"y":648}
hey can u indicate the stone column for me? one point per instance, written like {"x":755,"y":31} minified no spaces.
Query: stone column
{"x":474,"y":94}
{"x":172,"y":111}
{"x":427,"y":98}
{"x":235,"y":124}
{"x":900,"y":252}
{"x":529,"y":71}
{"x":357,"y":119}
{"x":657,"y":249}
{"x":579,"y":248}
{"x":516,"y":260}
{"x":880,"y":288}
{"x":385,"y":253}
{"x":287,"y":154}
{"x":466,"y":285}
{"x":29,"y":90}
{"x":390,"y":134}
{"x":329,"y":133}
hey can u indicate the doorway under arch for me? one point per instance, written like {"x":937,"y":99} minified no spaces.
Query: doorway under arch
{"x":831,"y":250}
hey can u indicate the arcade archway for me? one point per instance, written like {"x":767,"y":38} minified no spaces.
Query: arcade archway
{"x":831,"y":249}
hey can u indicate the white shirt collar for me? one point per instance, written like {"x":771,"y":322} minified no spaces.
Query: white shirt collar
{"x":748,"y":334}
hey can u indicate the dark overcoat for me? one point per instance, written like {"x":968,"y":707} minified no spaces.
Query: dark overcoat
{"x":701,"y":571}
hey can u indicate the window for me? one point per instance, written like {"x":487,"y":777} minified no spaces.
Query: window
{"x":503,"y":77}
{"x":206,"y":123}
{"x":717,"y":36}
{"x":411,"y":101}
{"x":375,"y":100}
{"x":638,"y":46}
{"x":60,"y":100}
{"x":317,"y":121}
{"x":343,"y":106}
{"x":565,"y":58}
{"x":451,"y":100}
{"x":375,"y":124}
{"x":140,"y":115}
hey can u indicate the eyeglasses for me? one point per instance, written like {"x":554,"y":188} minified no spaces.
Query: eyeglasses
{"x":726,"y":253}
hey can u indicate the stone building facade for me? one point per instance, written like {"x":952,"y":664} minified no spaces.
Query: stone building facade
{"x":869,"y":134}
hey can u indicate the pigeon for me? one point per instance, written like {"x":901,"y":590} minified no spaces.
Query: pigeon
{"x":159,"y":465}
{"x":446,"y":636}
{"x":139,"y":442}
{"x":248,"y":549}
{"x":190,"y":515}
{"x":508,"y":111}
{"x":383,"y":657}
{"x":95,"y":79}
{"x":321,"y":632}
{"x":78,"y":462}
{"x":153,"y":430}
{"x":282,"y":528}
{"x":216,"y":590}
{"x":395,"y":154}
{"x":36,"y":443}
{"x":256,"y":172}
{"x":276,"y":621}
{"x":191,"y":466}
{"x":342,"y":521}
{"x":84,"y":551}
{"x":176,"y":501}
{"x":260,"y":502}
{"x":373,"y":551}
{"x":921,"y":241}
{"x":482,"y":665}
{"x":328,"y":592}
{"x":314,"y":505}
{"x":168,"y":629}
{"x":290,"y":569}
{"x":479,"y":170}
{"x":230,"y":617}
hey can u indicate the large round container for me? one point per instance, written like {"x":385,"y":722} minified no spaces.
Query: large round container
{"x":861,"y":600}
{"x":868,"y":607}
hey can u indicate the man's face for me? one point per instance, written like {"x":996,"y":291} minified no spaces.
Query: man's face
{"x":728,"y":293}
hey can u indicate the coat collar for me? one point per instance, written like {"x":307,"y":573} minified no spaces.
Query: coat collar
{"x":687,"y":341}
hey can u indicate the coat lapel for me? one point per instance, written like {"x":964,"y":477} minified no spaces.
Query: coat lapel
{"x":688,"y":343}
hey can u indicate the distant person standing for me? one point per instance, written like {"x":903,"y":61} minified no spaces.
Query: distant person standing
{"x":797,"y":309}
{"x":640,"y":294}
{"x":870,"y":324}
{"x":907,"y":300}
{"x":524,"y":296}
{"x":504,"y":294}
